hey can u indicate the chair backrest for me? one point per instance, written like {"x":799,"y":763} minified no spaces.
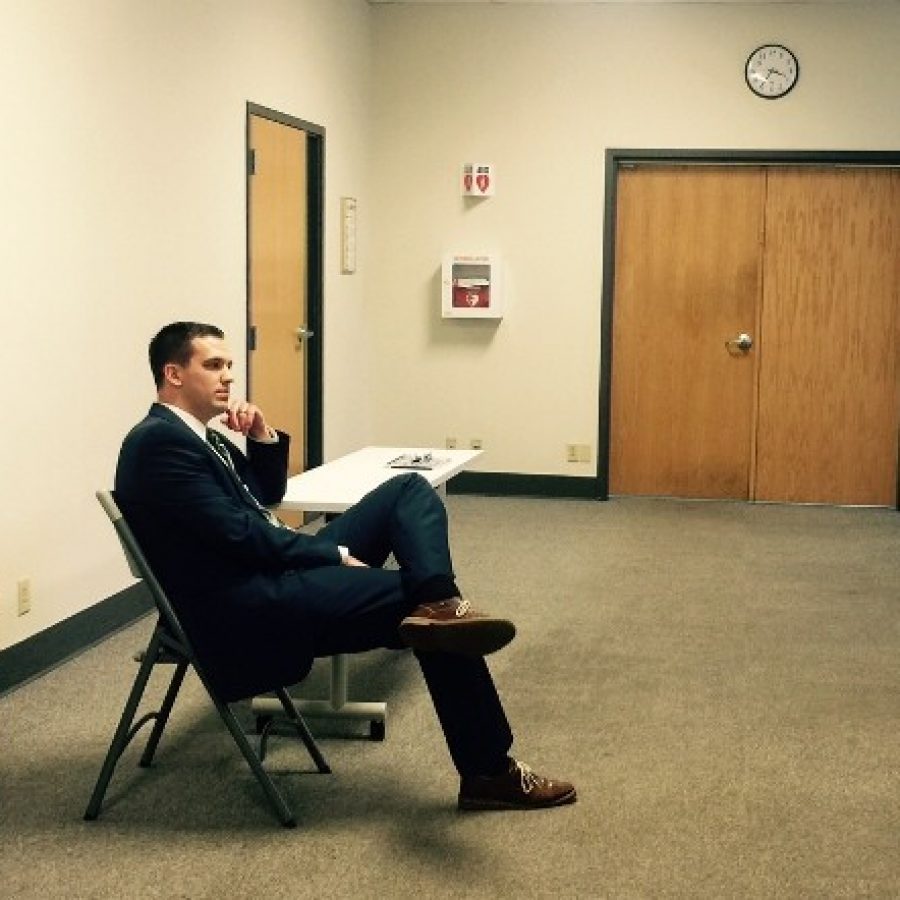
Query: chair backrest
{"x":111,"y":508}
{"x":140,"y":568}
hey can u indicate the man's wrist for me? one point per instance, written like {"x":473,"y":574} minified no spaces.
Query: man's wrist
{"x":270,"y":437}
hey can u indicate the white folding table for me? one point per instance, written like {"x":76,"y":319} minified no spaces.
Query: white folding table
{"x":333,"y":488}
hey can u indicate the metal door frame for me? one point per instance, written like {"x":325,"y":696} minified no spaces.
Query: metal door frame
{"x":617,"y":159}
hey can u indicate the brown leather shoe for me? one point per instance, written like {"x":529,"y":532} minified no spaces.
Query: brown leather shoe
{"x":452,"y":626}
{"x":519,"y":788}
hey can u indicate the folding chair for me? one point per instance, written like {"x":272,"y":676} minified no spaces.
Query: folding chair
{"x":169,"y":644}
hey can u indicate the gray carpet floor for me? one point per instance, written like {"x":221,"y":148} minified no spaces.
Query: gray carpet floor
{"x":721,"y":681}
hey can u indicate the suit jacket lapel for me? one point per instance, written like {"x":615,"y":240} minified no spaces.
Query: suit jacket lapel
{"x":232,"y":479}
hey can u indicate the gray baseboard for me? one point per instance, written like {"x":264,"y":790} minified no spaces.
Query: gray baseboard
{"x":49,"y":648}
{"x":509,"y":484}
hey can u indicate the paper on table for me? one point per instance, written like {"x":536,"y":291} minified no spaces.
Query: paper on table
{"x":425,"y":460}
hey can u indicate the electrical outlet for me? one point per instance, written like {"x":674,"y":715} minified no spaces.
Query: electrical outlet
{"x":576,"y":453}
{"x":24,"y":596}
{"x":450,"y":443}
{"x":476,"y":443}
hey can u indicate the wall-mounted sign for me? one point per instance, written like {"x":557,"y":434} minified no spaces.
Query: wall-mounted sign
{"x":477,"y":180}
{"x":348,"y":235}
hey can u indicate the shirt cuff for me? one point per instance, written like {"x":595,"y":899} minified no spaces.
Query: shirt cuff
{"x":271,"y":437}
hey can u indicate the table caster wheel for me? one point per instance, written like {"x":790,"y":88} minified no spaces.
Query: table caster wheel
{"x":376,"y":730}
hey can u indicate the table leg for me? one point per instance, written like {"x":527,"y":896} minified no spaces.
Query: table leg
{"x":336,"y":708}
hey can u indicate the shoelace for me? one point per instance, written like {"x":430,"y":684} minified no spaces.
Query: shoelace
{"x":527,"y":777}
{"x":462,"y":608}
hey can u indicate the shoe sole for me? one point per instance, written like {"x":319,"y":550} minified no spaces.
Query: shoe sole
{"x":472,"y":637}
{"x":475,"y":804}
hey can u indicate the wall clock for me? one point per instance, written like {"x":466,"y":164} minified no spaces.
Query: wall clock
{"x":771,"y":71}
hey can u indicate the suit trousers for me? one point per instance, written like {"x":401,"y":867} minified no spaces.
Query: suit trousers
{"x":353,"y":609}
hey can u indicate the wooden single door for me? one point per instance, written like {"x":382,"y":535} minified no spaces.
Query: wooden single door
{"x":829,"y":390}
{"x":278,"y":279}
{"x":687,"y":282}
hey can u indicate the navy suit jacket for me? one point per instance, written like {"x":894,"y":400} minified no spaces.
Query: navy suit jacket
{"x":225,"y":568}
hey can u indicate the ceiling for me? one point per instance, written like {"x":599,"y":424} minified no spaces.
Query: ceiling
{"x":597,"y":2}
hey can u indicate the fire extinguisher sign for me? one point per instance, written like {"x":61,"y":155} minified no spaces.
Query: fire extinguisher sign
{"x":477,"y":180}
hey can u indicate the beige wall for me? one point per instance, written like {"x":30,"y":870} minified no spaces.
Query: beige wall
{"x":541,"y":92}
{"x":124,"y":207}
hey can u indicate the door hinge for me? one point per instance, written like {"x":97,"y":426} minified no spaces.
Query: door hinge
{"x":251,"y":162}
{"x":251,"y":338}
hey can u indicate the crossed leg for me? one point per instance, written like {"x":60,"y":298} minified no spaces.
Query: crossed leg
{"x":356,"y":609}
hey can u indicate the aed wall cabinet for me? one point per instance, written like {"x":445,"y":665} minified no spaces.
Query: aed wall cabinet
{"x":471,"y":287}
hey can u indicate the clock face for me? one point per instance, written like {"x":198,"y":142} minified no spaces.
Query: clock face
{"x":772,"y":70}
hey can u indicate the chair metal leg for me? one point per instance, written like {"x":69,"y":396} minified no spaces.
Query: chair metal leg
{"x":282,"y":810}
{"x":128,"y":728}
{"x":124,"y":731}
{"x":290,"y":710}
{"x":162,"y":717}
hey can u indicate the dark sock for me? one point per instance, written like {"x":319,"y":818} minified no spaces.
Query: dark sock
{"x":436,"y":588}
{"x":501,"y":767}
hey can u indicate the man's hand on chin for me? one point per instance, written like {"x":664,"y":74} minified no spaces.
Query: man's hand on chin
{"x":247,"y":419}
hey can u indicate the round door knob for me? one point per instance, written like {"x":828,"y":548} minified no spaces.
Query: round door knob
{"x":740,"y":344}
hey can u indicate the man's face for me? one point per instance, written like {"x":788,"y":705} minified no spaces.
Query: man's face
{"x":202,"y":387}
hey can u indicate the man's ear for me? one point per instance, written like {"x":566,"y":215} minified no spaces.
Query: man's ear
{"x":172,"y":374}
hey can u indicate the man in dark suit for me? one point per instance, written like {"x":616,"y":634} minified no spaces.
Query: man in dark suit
{"x":260,"y":601}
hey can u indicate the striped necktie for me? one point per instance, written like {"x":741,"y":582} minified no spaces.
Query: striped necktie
{"x":217,"y":442}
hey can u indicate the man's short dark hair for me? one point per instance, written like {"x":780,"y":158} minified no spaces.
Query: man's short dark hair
{"x":172,"y":344}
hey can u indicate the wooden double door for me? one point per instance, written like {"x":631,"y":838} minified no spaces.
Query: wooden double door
{"x":756,"y":334}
